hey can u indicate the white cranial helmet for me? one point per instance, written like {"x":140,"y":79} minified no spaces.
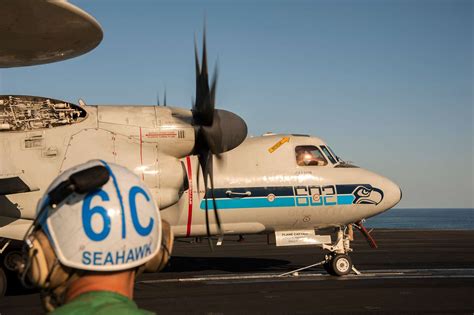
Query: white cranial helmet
{"x":115,"y":227}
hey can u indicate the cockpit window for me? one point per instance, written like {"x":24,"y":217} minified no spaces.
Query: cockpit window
{"x":334,"y":154}
{"x":328,"y":154}
{"x":309,"y":155}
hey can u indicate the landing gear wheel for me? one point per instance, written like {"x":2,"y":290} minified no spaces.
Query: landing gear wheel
{"x":11,"y":260}
{"x":341,"y":265}
{"x":328,"y":267}
{"x":3,"y":282}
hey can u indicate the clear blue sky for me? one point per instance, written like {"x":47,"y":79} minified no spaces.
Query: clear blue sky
{"x":388,"y":84}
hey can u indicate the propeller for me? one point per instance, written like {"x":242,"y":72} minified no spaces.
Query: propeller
{"x":158,"y":99}
{"x":217,"y":131}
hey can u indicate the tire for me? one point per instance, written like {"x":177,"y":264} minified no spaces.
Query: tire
{"x":3,"y":282}
{"x":341,"y":265}
{"x":328,"y":267}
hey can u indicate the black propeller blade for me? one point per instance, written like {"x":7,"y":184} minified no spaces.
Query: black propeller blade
{"x":203,"y":108}
{"x":217,"y":131}
{"x":206,"y":162}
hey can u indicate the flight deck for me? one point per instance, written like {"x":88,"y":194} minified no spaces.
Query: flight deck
{"x":412,"y":271}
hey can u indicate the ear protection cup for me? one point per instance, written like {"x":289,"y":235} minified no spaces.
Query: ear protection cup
{"x":45,"y":270}
{"x":39,"y":267}
{"x":159,"y":261}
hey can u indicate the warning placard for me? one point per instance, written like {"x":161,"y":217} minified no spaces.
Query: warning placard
{"x":279,"y":144}
{"x":300,"y":237}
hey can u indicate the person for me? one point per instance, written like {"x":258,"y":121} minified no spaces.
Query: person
{"x":350,"y":232}
{"x":305,"y":158}
{"x":97,"y":226}
{"x":301,"y":157}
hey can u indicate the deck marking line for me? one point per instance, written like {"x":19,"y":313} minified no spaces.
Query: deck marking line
{"x":369,"y":275}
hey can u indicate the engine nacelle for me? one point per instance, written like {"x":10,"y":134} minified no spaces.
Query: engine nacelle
{"x":172,"y":181}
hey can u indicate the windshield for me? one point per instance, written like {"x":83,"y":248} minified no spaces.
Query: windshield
{"x":309,"y":155}
{"x":334,"y":154}
{"x":328,"y":154}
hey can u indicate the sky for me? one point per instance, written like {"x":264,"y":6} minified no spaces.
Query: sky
{"x":388,"y":84}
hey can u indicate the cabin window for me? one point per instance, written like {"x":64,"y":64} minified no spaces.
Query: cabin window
{"x":328,"y":154}
{"x":309,"y":155}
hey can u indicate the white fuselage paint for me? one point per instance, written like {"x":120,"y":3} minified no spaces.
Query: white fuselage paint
{"x":155,"y":142}
{"x":251,"y":165}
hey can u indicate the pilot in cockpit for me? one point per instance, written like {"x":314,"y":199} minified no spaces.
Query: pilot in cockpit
{"x":309,"y":155}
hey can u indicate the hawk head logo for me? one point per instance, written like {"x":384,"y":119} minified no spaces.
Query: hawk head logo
{"x":367,"y":195}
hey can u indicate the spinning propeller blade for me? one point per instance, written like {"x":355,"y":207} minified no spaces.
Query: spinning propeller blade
{"x":217,"y":131}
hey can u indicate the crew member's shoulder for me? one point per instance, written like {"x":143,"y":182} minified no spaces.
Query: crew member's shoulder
{"x":100,"y":302}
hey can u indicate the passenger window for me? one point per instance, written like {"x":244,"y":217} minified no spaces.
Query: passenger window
{"x":309,"y":155}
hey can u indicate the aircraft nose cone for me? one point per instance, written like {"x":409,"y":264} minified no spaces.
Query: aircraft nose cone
{"x":379,"y":195}
{"x":393,"y":194}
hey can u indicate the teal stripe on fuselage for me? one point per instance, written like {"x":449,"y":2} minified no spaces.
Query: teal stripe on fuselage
{"x":345,"y":199}
{"x":244,"y":203}
{"x":249,"y":203}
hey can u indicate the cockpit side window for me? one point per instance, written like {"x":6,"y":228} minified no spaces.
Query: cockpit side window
{"x":328,"y":154}
{"x":309,"y":155}
{"x":334,"y":154}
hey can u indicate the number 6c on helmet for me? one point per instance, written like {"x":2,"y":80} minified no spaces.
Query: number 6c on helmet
{"x":89,"y":223}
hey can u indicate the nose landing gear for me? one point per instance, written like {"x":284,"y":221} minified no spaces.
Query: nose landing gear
{"x":338,"y":262}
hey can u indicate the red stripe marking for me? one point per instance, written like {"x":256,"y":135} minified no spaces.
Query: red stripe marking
{"x":190,"y":196}
{"x":141,"y":153}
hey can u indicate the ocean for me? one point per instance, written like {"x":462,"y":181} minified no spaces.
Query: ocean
{"x":437,"y":219}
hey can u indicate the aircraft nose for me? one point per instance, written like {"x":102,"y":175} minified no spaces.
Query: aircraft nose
{"x":392,"y":194}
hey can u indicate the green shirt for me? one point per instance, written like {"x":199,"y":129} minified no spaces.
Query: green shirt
{"x":100,"y":302}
